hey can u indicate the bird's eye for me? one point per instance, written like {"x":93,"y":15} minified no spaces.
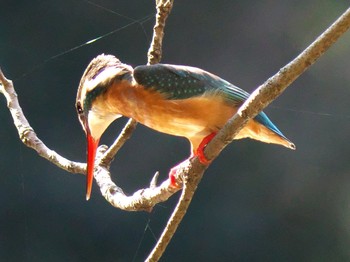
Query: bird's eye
{"x":79,"y":108}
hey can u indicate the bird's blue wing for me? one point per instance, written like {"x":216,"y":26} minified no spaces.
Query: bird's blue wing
{"x":181,"y":82}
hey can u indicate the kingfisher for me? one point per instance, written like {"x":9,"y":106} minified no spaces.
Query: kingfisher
{"x":173,"y":99}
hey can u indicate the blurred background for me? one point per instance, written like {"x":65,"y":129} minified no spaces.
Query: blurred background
{"x":257,"y":202}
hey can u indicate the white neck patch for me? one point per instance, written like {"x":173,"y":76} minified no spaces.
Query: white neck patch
{"x":98,"y":123}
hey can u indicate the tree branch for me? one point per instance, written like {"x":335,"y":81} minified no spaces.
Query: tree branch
{"x":163,"y":10}
{"x":257,"y":101}
{"x":27,"y":134}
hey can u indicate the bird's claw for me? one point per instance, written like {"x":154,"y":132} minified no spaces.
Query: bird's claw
{"x":172,"y":178}
{"x":200,"y":150}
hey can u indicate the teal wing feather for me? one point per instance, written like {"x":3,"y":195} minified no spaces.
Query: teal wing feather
{"x":181,"y":82}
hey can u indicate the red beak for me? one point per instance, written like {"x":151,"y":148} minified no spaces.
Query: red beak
{"x":92,"y":145}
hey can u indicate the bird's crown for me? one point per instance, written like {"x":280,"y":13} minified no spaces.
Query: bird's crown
{"x":100,"y":72}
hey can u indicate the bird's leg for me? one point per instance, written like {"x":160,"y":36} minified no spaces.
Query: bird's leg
{"x":199,"y":152}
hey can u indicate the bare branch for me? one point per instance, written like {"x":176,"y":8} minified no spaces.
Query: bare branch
{"x":192,"y":173}
{"x":124,"y":135}
{"x":163,"y":10}
{"x":27,"y":134}
{"x":141,"y":200}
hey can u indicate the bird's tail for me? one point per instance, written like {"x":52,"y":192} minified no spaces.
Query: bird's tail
{"x":261,"y":128}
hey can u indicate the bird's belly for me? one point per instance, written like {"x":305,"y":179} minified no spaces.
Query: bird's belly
{"x":192,"y":117}
{"x":174,"y":125}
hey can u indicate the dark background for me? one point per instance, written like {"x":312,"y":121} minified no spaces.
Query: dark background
{"x":257,"y":202}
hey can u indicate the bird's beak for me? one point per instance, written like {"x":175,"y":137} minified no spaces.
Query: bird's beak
{"x":92,"y":145}
{"x":94,"y":126}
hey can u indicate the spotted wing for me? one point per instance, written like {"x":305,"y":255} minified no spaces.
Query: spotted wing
{"x":181,"y":82}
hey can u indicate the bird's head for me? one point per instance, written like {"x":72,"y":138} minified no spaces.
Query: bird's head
{"x":102,"y":72}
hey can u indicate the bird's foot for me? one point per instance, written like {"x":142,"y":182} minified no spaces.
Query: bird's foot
{"x":175,"y":178}
{"x":199,"y":152}
{"x":172,"y":177}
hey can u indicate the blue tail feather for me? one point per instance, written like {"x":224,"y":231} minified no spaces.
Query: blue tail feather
{"x":263,"y":119}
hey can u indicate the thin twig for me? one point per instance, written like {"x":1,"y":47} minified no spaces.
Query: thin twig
{"x":163,"y":10}
{"x":124,"y":135}
{"x":27,"y":134}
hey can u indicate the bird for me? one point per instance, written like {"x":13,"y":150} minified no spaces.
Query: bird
{"x":173,"y":99}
